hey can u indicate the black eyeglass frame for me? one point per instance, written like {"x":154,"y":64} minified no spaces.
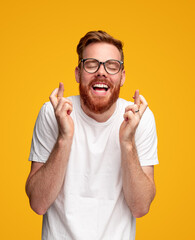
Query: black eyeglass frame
{"x":84,"y":59}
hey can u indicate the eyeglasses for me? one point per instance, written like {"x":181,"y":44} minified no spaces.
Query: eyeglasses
{"x":111,"y":66}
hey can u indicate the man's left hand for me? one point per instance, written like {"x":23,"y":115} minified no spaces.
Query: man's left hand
{"x":132,"y":117}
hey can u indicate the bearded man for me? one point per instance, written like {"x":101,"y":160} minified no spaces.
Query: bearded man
{"x":93,"y":155}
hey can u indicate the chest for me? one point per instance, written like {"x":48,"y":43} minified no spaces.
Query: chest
{"x":96,"y":146}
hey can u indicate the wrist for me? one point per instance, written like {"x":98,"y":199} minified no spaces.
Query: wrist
{"x":130,"y":144}
{"x":129,"y":153}
{"x":64,"y":140}
{"x":65,"y":135}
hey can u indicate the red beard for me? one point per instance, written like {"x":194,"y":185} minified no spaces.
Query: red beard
{"x":98,"y":104}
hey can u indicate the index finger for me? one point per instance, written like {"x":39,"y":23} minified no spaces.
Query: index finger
{"x":53,"y":97}
{"x":136,"y":98}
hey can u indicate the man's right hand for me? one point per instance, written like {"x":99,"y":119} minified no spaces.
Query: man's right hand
{"x":62,"y":108}
{"x":46,"y":179}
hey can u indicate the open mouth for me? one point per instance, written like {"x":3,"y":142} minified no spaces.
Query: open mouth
{"x":100,"y":87}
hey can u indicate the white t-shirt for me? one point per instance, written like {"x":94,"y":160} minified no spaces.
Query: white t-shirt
{"x":91,"y":204}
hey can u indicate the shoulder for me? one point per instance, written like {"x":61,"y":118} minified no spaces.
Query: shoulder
{"x":148,"y":117}
{"x":47,"y":110}
{"x":47,"y":107}
{"x":147,"y":125}
{"x":46,"y":118}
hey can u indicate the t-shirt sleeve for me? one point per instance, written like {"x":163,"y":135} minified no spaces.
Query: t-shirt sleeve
{"x":146,"y":139}
{"x":44,"y":135}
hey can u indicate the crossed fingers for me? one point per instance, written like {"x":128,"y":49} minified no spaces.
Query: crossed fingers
{"x":58,"y":102}
{"x":138,"y":108}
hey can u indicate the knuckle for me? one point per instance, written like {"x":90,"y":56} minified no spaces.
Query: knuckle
{"x":61,"y":99}
{"x":65,"y":107}
{"x":135,"y":106}
{"x":129,"y":114}
{"x":69,"y":102}
{"x":66,"y":104}
{"x":128,"y":108}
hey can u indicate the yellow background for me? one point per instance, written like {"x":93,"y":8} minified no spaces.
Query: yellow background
{"x":37,"y":49}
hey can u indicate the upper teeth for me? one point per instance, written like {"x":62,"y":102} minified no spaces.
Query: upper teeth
{"x":100,"y":86}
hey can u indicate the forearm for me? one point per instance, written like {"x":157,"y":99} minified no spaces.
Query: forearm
{"x":139,"y":189}
{"x":45,"y":184}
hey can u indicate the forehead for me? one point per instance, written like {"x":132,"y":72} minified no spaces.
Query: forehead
{"x":101,"y":51}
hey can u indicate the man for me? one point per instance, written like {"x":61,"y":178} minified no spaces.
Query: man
{"x":92,"y":155}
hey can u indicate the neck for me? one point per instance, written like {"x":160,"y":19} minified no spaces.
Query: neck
{"x":99,"y":117}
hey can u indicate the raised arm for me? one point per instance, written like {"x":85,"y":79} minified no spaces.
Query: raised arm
{"x":138,"y":182}
{"x":45,"y":180}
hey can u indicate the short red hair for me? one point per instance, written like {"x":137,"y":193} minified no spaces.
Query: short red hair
{"x":98,"y":36}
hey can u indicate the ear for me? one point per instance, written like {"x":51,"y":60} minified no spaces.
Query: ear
{"x":77,"y":74}
{"x":122,"y":78}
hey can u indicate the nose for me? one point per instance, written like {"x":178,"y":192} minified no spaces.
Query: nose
{"x":101,"y":71}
